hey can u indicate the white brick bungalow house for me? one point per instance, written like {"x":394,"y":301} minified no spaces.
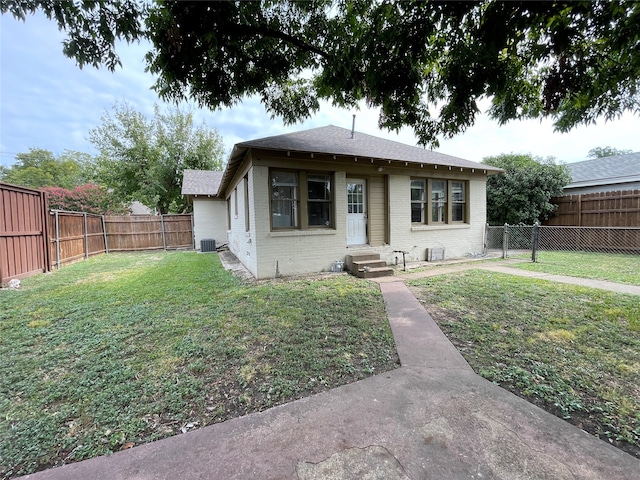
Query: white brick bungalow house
{"x":301,"y":201}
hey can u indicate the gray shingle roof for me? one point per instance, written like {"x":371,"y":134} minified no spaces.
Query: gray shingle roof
{"x":606,"y":170}
{"x":201,"y":182}
{"x":337,"y":141}
{"x":334,"y":140}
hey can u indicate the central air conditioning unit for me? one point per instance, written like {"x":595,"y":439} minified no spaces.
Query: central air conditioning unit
{"x":207,"y":245}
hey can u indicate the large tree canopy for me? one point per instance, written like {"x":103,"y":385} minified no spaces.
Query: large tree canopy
{"x":423,"y":64}
{"x":41,"y":168}
{"x":144,"y":158}
{"x":601,"y":152}
{"x":523,"y":193}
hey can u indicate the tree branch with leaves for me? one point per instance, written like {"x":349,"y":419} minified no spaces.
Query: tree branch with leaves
{"x":425,"y":65}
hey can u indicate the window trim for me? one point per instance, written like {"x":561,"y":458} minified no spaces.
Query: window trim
{"x":427,"y":216}
{"x":247,"y":223}
{"x":423,"y":203}
{"x":303,"y":200}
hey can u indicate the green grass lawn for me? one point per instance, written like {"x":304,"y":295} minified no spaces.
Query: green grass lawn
{"x":125,"y":349}
{"x":571,"y":350}
{"x":602,"y":266}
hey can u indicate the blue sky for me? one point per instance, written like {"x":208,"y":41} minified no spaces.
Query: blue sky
{"x":47,"y":102}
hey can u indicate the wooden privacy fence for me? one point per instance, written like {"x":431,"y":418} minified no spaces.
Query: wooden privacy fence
{"x":145,"y":232}
{"x":23,"y":232}
{"x":603,"y":209}
{"x":76,"y":235}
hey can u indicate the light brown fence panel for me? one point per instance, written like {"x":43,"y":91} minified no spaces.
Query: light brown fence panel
{"x":23,"y":232}
{"x":69,"y":238}
{"x":178,"y":231}
{"x":603,"y":209}
{"x":137,"y":232}
{"x":95,"y":235}
{"x":75,"y":236}
{"x":146,"y":232}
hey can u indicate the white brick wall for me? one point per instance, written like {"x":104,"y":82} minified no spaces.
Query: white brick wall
{"x":266,"y":253}
{"x":458,"y":240}
{"x":241,"y":242}
{"x":209,"y":220}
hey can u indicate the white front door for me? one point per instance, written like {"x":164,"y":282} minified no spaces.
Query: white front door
{"x":356,"y":212}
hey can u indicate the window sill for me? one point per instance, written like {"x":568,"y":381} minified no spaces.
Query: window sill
{"x":303,"y":233}
{"x":451,"y":226}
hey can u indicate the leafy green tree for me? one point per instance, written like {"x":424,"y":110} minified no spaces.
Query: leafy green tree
{"x":41,"y":168}
{"x":144,"y":158}
{"x":523,"y":193}
{"x":424,"y":64}
{"x":600,"y":152}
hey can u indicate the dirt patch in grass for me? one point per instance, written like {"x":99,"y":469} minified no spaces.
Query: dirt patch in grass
{"x":572,"y":351}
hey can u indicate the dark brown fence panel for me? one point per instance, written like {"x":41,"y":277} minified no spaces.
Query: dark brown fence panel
{"x":603,"y":209}
{"x":23,"y":232}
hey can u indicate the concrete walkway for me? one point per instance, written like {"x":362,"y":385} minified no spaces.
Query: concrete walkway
{"x":432,"y":418}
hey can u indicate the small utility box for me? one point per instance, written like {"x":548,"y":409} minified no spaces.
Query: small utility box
{"x":435,"y":254}
{"x":207,"y":245}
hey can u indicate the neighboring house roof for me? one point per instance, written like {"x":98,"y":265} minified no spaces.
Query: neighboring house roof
{"x":334,"y":140}
{"x":605,"y":171}
{"x":139,"y":208}
{"x":201,"y":182}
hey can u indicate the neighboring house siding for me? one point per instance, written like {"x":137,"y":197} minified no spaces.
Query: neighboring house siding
{"x":615,"y":187}
{"x":209,"y":220}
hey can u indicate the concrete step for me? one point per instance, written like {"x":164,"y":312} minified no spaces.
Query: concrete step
{"x":368,"y":263}
{"x":363,"y":257}
{"x":375,"y":272}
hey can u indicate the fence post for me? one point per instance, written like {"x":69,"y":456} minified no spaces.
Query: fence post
{"x":534,"y":242}
{"x":57,"y":242}
{"x":86,"y":237}
{"x":505,"y":241}
{"x":485,"y":248}
{"x":193,"y":233}
{"x":164,"y":241}
{"x":104,"y":233}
